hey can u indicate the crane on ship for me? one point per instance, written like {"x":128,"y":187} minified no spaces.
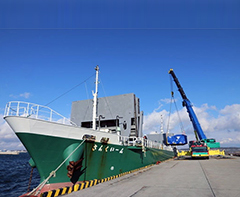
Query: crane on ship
{"x":201,"y":139}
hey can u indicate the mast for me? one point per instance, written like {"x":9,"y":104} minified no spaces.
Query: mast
{"x":95,"y":99}
{"x":161,"y":125}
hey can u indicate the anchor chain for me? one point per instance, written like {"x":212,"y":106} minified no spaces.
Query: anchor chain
{"x":30,"y":180}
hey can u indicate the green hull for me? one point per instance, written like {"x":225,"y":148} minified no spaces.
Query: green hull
{"x":98,"y":160}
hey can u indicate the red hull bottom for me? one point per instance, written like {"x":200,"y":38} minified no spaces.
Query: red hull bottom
{"x":51,"y":187}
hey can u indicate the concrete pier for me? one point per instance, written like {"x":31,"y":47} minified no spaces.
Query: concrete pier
{"x":212,"y":178}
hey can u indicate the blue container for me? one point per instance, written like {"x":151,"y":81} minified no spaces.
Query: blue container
{"x":179,"y":139}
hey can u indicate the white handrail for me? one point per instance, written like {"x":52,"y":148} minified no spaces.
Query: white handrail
{"x":139,"y":141}
{"x":31,"y":110}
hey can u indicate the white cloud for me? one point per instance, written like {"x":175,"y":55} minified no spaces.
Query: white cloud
{"x":224,"y":126}
{"x":167,"y":100}
{"x":8,"y":139}
{"x":23,"y":95}
{"x":152,"y":121}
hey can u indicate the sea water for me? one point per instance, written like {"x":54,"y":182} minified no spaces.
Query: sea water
{"x":14,"y":175}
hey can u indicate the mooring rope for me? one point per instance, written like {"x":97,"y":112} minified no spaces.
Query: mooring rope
{"x":53,"y":173}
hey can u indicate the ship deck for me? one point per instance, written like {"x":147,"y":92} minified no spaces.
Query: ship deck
{"x":217,"y":177}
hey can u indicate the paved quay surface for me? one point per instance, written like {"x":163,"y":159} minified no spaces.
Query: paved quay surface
{"x":201,"y":178}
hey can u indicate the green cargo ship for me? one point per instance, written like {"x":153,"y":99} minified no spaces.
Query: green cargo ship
{"x":67,"y":152}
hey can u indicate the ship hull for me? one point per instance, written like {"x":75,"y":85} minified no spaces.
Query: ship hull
{"x":100,"y":160}
{"x":52,"y":146}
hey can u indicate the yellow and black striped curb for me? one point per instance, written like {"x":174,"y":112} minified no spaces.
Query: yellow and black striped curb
{"x":68,"y":190}
{"x":85,"y":184}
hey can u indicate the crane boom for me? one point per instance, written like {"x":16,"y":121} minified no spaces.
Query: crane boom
{"x":188,"y":105}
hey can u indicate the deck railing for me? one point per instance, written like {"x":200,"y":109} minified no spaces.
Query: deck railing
{"x":30,"y":110}
{"x":139,"y":141}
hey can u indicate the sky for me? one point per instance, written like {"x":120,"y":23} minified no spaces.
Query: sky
{"x":50,"y":47}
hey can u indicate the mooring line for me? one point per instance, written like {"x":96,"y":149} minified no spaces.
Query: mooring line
{"x":207,"y":179}
{"x":53,"y":173}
